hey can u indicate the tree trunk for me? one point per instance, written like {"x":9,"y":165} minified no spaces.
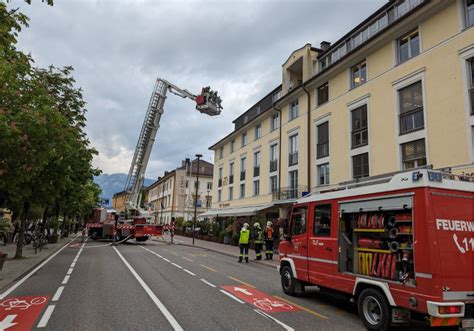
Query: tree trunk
{"x":21,"y":234}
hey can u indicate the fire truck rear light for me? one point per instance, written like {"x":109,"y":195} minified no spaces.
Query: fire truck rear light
{"x":446,"y":310}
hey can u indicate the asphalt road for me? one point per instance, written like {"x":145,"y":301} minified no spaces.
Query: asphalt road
{"x":157,"y":286}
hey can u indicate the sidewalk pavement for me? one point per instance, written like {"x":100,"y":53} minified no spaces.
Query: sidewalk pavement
{"x":223,"y":249}
{"x":14,"y":269}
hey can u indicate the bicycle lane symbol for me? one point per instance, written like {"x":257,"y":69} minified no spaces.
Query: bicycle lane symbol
{"x":21,"y":313}
{"x":260,"y":300}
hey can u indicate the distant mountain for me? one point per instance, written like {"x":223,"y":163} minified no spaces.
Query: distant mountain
{"x":114,"y":183}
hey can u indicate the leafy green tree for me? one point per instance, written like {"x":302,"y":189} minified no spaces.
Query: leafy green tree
{"x":45,"y":155}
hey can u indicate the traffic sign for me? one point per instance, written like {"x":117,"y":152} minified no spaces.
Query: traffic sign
{"x":20,"y":313}
{"x":259,"y":299}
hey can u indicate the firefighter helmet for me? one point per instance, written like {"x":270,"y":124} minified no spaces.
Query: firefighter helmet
{"x":269,"y":224}
{"x":246,"y":225}
{"x":256,"y":225}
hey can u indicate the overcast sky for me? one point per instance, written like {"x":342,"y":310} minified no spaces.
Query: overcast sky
{"x":118,"y":48}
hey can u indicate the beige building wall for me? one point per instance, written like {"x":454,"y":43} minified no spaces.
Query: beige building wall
{"x":446,"y":42}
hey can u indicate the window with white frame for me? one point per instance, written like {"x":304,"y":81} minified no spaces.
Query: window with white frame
{"x":256,"y":187}
{"x":360,"y":166}
{"x":209,"y":186}
{"x":219,"y":195}
{"x":294,"y":108}
{"x":219,"y":182}
{"x":470,"y":66}
{"x":231,"y":172}
{"x":221,"y":152}
{"x":273,"y":157}
{"x":408,"y":46}
{"x":293,"y":181}
{"x":231,"y":192}
{"x":244,"y":139}
{"x":323,"y":94}
{"x":258,"y":131}
{"x":293,"y":150}
{"x":411,"y":108}
{"x":469,"y":12}
{"x":359,"y":134}
{"x":322,"y":145}
{"x":358,"y":74}
{"x":275,"y":122}
{"x":323,"y":174}
{"x":243,"y":168}
{"x":414,"y":154}
{"x":256,"y":164}
{"x":242,"y":191}
{"x":232,"y":146}
{"x":273,"y":184}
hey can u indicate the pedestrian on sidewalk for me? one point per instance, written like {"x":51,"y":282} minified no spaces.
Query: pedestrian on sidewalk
{"x":244,"y":243}
{"x":269,"y":241}
{"x":258,"y":240}
{"x":85,"y":233}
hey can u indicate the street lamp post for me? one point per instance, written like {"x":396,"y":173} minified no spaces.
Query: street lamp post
{"x":196,"y":195}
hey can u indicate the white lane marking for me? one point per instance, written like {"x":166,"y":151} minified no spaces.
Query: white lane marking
{"x":206,"y":282}
{"x":47,"y":314}
{"x":286,"y":327}
{"x":232,"y":297}
{"x":66,"y":279}
{"x":69,"y":271}
{"x":177,"y":265}
{"x":150,"y":293}
{"x":58,"y":293}
{"x":35,"y":270}
{"x":159,"y":255}
{"x":166,"y":260}
{"x":73,"y":265}
{"x":189,"y":272}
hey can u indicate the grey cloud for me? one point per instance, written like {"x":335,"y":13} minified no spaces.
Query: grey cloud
{"x":118,"y":48}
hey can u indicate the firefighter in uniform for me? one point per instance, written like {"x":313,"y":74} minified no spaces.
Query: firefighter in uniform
{"x":269,"y":241}
{"x":244,"y":243}
{"x":258,"y":240}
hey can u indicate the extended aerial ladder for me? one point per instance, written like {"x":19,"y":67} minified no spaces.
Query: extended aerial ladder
{"x":208,"y":102}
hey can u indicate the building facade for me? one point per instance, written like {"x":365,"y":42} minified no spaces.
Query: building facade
{"x":173,"y":194}
{"x":394,"y":93}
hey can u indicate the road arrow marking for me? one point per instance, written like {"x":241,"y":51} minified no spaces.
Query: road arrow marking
{"x":7,"y":322}
{"x":244,"y":291}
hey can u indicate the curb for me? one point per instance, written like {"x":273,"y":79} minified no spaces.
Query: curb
{"x":23,"y":274}
{"x":268,"y":265}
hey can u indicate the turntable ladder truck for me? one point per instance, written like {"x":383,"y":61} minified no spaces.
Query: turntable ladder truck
{"x":139,"y":227}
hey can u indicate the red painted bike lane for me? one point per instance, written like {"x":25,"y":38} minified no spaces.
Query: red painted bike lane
{"x":21,"y":313}
{"x":260,"y":300}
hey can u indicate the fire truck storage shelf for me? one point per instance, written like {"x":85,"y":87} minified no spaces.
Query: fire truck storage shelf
{"x":377,"y":239}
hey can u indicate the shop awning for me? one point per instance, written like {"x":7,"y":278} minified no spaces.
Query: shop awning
{"x":238,"y":211}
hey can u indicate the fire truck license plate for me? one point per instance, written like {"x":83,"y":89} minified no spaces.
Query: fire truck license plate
{"x":468,"y":323}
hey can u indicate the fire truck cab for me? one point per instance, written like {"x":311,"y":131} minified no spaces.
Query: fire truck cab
{"x":401,"y":249}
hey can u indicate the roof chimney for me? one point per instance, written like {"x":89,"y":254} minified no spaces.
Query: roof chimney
{"x":324,"y":45}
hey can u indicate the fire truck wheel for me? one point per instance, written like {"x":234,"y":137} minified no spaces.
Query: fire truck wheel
{"x":288,"y":282}
{"x":94,"y":235}
{"x":374,"y":309}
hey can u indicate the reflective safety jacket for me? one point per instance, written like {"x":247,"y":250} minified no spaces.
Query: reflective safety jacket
{"x":244,"y":236}
{"x":269,"y":233}
{"x":258,"y":236}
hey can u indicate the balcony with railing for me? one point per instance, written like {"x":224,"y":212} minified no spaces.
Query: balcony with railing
{"x":242,"y":175}
{"x":322,"y":150}
{"x":292,"y":159}
{"x":289,"y":192}
{"x":273,"y":165}
{"x":256,"y":171}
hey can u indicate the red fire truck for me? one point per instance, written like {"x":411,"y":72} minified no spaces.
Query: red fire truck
{"x":402,"y":248}
{"x":103,"y":225}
